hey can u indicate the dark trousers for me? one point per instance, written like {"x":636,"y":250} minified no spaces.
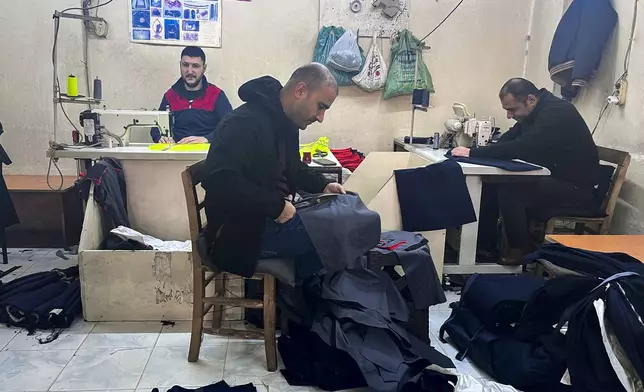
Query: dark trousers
{"x":291,"y":241}
{"x":518,"y":202}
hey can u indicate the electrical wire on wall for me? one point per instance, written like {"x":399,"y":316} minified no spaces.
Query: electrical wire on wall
{"x":621,"y":84}
{"x":90,"y":27}
{"x":443,"y":21}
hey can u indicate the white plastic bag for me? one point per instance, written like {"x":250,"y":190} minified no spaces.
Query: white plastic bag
{"x":345,"y":54}
{"x":374,"y":73}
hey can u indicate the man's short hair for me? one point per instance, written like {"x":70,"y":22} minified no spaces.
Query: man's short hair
{"x":315,"y":75}
{"x":520,"y":88}
{"x":194,"y":51}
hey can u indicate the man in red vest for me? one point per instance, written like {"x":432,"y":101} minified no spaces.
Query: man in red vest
{"x":197,"y":106}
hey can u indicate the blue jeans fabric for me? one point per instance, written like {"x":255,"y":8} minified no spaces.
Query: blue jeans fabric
{"x":290,"y":240}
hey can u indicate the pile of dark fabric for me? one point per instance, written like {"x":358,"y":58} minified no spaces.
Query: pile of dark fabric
{"x":221,"y":386}
{"x":579,"y":332}
{"x":352,"y":322}
{"x":44,"y":300}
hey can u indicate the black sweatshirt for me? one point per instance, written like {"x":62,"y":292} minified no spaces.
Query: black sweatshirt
{"x":253,"y":164}
{"x":555,"y":136}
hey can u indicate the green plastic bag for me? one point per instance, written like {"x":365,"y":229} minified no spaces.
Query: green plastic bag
{"x":327,"y":37}
{"x":400,"y":81}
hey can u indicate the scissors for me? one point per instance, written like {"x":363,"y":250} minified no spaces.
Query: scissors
{"x":320,"y":154}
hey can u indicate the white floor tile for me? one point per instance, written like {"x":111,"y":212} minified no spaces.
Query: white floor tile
{"x":65,"y":341}
{"x":51,"y":261}
{"x":128,"y":327}
{"x":247,"y":359}
{"x":170,"y":366}
{"x":178,"y":335}
{"x":103,"y":369}
{"x":436,"y":319}
{"x":120,"y":340}
{"x":6,"y":335}
{"x":31,"y":370}
{"x":123,"y":335}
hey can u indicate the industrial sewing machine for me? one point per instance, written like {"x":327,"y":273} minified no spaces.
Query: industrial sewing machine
{"x":467,"y":131}
{"x":96,"y":133}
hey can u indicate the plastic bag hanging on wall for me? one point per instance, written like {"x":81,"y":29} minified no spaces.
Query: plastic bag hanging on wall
{"x":407,"y":70}
{"x":374,"y":73}
{"x":327,"y":37}
{"x":345,"y":54}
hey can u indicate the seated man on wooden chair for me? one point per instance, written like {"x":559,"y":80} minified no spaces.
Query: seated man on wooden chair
{"x":549,"y":132}
{"x":253,"y":169}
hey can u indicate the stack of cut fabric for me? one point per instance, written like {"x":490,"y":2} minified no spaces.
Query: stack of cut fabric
{"x":349,"y":158}
{"x":43,"y":300}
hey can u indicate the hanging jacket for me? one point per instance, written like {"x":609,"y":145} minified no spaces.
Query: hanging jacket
{"x":252,"y":166}
{"x":195,"y":113}
{"x":8,"y":215}
{"x":109,"y":189}
{"x":579,"y":42}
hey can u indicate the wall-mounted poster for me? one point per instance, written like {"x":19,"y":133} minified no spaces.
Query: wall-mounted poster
{"x":176,"y":22}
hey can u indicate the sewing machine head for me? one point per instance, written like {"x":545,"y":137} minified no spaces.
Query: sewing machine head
{"x":145,"y":119}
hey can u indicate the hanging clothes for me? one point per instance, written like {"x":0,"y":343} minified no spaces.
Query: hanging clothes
{"x":109,"y":189}
{"x":434,"y":197}
{"x":579,"y":42}
{"x":8,"y":215}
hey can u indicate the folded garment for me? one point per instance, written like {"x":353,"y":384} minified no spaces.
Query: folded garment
{"x":434,"y":197}
{"x":221,"y":386}
{"x":513,"y":166}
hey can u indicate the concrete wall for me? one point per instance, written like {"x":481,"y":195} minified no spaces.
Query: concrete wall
{"x":481,"y":46}
{"x":622,"y":127}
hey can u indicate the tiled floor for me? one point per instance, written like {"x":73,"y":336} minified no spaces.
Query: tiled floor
{"x":139,"y":356}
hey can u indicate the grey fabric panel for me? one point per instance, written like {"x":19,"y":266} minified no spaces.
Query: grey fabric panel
{"x":342,"y":230}
{"x":420,"y":272}
{"x":282,"y":269}
{"x":359,"y":319}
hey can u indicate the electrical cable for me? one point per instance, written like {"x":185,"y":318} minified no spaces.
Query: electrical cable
{"x":443,"y":21}
{"x":88,"y":8}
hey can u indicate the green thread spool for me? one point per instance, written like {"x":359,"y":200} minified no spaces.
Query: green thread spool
{"x":72,"y":86}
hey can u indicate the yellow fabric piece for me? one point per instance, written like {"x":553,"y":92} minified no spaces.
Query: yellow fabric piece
{"x":180,"y":147}
{"x":320,"y":145}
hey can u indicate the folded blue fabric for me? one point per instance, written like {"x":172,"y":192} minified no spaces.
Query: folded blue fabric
{"x":434,"y":197}
{"x":512,"y":166}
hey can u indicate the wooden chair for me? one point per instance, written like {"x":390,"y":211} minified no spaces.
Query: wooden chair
{"x":621,"y":160}
{"x":204,"y":276}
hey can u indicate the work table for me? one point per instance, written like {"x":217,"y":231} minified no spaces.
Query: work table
{"x":134,"y":152}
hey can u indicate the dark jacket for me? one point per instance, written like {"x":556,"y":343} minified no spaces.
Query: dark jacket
{"x":555,"y":136}
{"x":579,"y":42}
{"x":252,"y":165}
{"x":195,"y":113}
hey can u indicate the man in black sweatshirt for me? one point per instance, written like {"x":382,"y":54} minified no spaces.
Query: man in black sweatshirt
{"x":253,"y":169}
{"x":549,"y":132}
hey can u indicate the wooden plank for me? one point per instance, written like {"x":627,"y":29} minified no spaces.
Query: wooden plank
{"x":630,"y":244}
{"x":246,"y":303}
{"x":16,"y":182}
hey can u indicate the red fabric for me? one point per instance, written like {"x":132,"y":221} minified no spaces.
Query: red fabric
{"x":348,"y":157}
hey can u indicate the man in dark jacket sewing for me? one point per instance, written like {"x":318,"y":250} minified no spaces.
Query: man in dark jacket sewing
{"x":253,"y":169}
{"x":549,"y":132}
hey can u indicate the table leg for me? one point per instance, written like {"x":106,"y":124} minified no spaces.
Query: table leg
{"x":470,"y":232}
{"x":3,"y":243}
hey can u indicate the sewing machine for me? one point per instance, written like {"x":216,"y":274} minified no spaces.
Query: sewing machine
{"x":466,"y":130}
{"x":93,"y":123}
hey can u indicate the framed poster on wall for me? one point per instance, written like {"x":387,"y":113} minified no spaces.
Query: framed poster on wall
{"x":176,"y":22}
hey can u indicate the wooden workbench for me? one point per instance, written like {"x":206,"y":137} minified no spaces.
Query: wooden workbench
{"x":629,"y":244}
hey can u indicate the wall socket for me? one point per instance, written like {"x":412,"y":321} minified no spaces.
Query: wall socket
{"x":621,"y":89}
